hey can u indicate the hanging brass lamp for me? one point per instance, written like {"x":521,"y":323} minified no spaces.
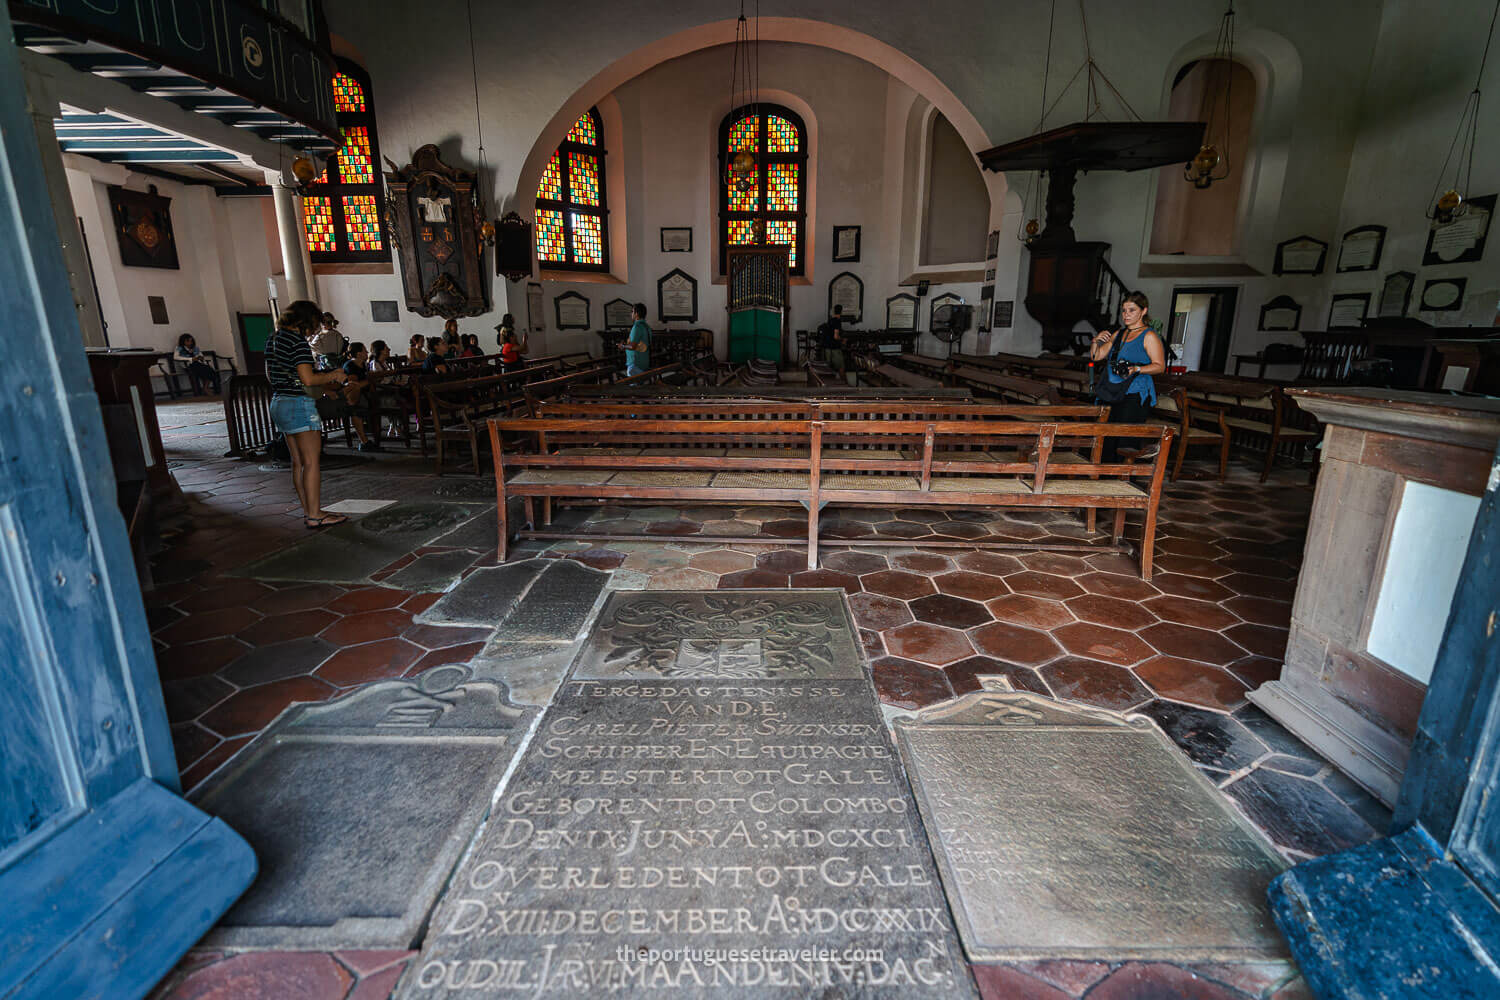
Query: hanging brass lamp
{"x":1212,"y":162}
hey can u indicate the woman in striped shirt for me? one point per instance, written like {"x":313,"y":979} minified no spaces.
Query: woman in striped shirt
{"x":292,"y":373}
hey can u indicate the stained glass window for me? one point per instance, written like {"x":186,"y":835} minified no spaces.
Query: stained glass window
{"x":572,"y":223}
{"x":343,"y":213}
{"x":773,"y":191}
{"x":348,"y":95}
{"x":354,"y":158}
{"x":317,"y":218}
{"x":362,"y":222}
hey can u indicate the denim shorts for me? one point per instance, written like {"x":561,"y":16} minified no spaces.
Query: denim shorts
{"x":295,"y":414}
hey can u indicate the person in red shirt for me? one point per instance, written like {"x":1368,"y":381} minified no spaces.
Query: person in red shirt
{"x":512,"y":352}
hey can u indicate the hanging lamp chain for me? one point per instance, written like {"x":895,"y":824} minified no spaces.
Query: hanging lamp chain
{"x":1448,"y":205}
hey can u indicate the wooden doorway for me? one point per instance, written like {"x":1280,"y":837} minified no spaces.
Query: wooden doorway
{"x":255,"y":330}
{"x":1202,"y":325}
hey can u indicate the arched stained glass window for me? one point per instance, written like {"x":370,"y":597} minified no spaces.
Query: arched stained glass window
{"x":342,"y":215}
{"x":766,"y":205}
{"x":572,"y":220}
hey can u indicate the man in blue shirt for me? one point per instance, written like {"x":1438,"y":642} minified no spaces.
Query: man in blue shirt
{"x":638,"y":342}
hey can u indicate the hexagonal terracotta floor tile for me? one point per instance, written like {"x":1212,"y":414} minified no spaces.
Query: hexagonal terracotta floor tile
{"x":297,"y":598}
{"x":1250,"y":585}
{"x":1111,"y":611}
{"x":1095,"y":683}
{"x":682,"y":578}
{"x":367,"y":599}
{"x":1187,"y":611}
{"x":252,"y":710}
{"x":1057,"y":563}
{"x":722,"y":561}
{"x":1036,"y":612}
{"x":945,"y":609}
{"x":1190,"y":586}
{"x":367,"y":627}
{"x":928,"y":643}
{"x":231,"y":593}
{"x":926,"y":563}
{"x":873,"y":611}
{"x":1254,"y":671}
{"x":308,"y":975}
{"x":858,"y":563}
{"x":208,"y":625}
{"x":1261,"y":611}
{"x":782,"y":560}
{"x":1261,"y":640}
{"x":993,"y":563}
{"x":1096,"y":642}
{"x":971,"y":585}
{"x":898,"y":584}
{"x":1036,"y":584}
{"x":1128,"y":588}
{"x":1191,"y":643}
{"x":1015,"y":644}
{"x":959,"y":529}
{"x":753,"y":579}
{"x":907,"y":684}
{"x":198,"y":658}
{"x":902,"y":529}
{"x":1192,"y":682}
{"x":280,"y":628}
{"x":846,"y":582}
{"x":964,"y":675}
{"x":371,"y":661}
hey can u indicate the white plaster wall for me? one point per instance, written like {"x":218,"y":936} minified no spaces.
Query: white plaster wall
{"x":989,"y":60}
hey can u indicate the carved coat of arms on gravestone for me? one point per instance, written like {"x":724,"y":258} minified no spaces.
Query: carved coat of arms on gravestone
{"x":719,"y":636}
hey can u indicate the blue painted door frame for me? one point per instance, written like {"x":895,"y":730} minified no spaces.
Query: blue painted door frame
{"x":1414,"y":914}
{"x":106,"y":875}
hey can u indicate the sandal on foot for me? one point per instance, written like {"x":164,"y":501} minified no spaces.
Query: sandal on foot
{"x":325,"y":521}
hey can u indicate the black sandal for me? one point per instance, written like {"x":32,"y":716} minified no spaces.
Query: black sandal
{"x":327,"y":520}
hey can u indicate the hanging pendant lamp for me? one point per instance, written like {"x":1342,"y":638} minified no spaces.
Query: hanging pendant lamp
{"x":744,"y":91}
{"x":481,"y":208}
{"x":1457,"y":187}
{"x":1212,"y":160}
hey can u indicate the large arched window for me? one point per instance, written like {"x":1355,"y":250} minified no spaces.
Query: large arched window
{"x":572,"y":221}
{"x":343,"y":213}
{"x":768,"y":206}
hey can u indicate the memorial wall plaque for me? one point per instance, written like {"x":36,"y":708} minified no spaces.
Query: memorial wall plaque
{"x":359,"y":808}
{"x":1302,"y":255}
{"x":572,"y":311}
{"x":1462,"y":240}
{"x":677,"y":296}
{"x":711,"y":806}
{"x":848,"y":291}
{"x":1360,"y":249}
{"x":1348,"y":310}
{"x":901,"y":313}
{"x":618,"y":315}
{"x":1070,"y":832}
{"x":1395,"y":293}
{"x":1443,"y":295}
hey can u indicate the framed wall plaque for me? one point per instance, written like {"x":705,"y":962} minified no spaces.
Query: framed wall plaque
{"x":384,"y":311}
{"x":677,"y":297}
{"x":536,"y":316}
{"x":846,"y":244}
{"x":1004,"y":314}
{"x":901,"y":313}
{"x":986,"y":302}
{"x":989,"y":274}
{"x":1443,"y":295}
{"x":143,"y":226}
{"x":618,"y":315}
{"x":1300,"y":255}
{"x":572,"y":311}
{"x":158,"y":306}
{"x":1462,"y":240}
{"x":677,"y":240}
{"x":1360,"y":249}
{"x":848,"y":291}
{"x":1281,"y":313}
{"x":1348,"y":310}
{"x":1395,"y":293}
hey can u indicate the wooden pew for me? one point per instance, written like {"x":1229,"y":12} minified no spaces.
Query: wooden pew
{"x":881,"y":463}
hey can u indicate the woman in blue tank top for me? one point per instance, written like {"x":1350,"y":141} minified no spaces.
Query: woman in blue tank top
{"x":1141,"y":350}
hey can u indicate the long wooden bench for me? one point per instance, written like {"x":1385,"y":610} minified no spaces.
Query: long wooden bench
{"x":900,"y":462}
{"x":1257,"y":413}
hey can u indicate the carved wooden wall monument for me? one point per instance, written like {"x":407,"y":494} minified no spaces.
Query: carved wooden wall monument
{"x":433,"y":216}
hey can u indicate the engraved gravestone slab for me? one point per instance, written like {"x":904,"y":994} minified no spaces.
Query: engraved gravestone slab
{"x":349,"y":553}
{"x":1069,"y":832}
{"x":359,"y":808}
{"x":711,"y":807}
